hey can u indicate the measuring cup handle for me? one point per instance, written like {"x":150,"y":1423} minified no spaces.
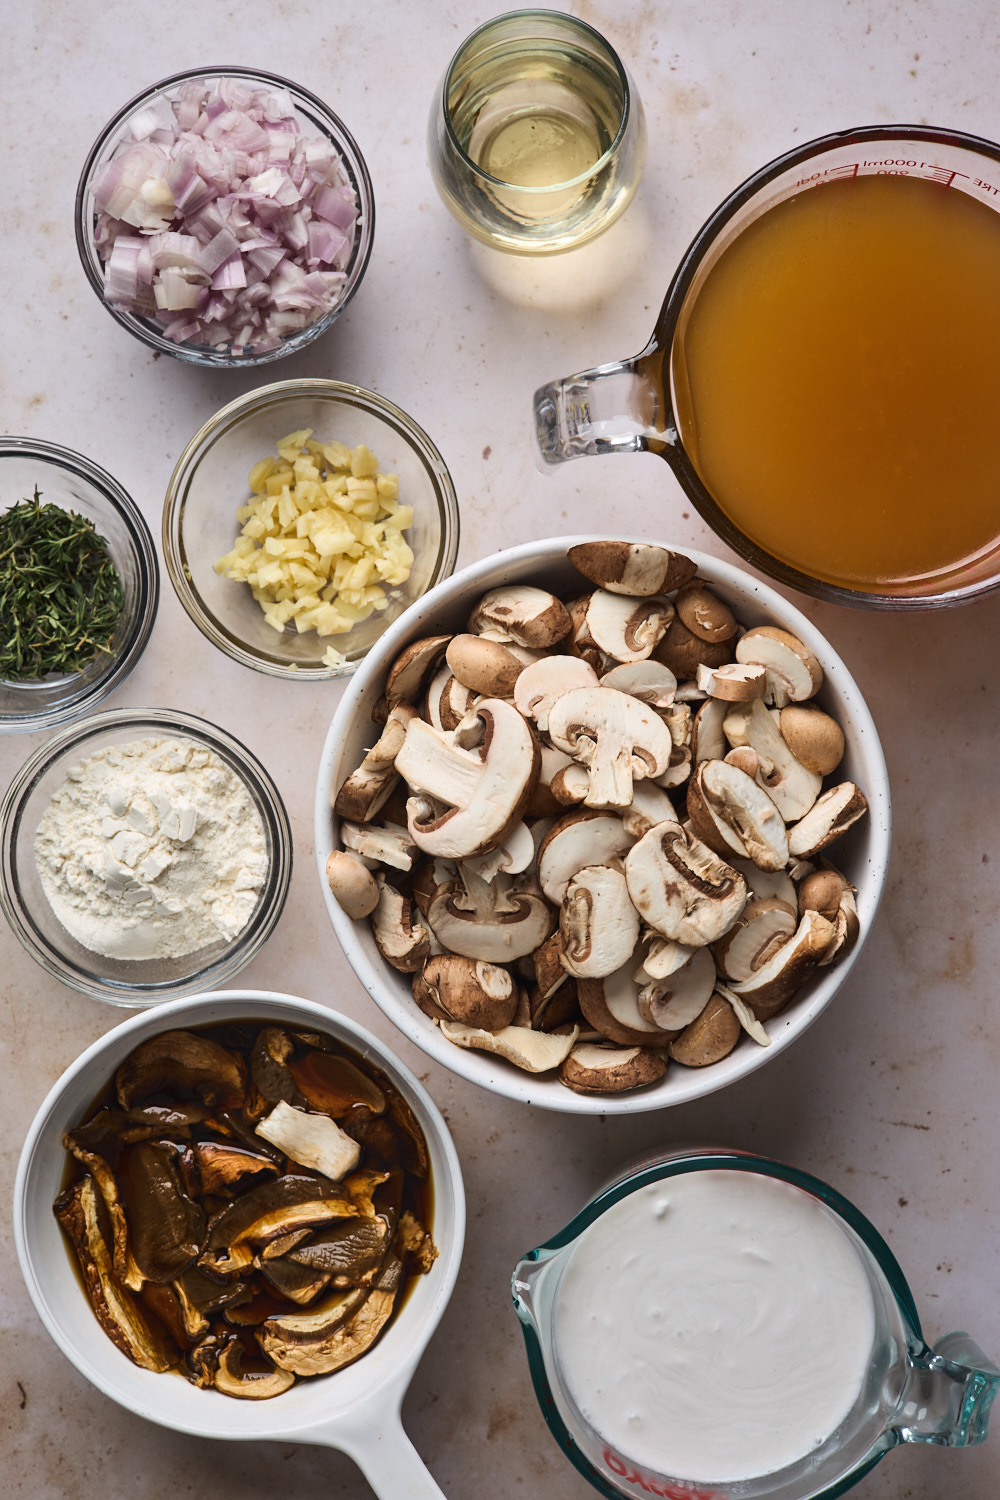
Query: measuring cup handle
{"x":948,"y":1394}
{"x":616,"y":408}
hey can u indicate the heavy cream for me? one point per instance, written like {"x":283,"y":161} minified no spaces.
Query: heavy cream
{"x":714,"y":1326}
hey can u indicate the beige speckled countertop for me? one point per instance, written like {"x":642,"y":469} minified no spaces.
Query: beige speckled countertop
{"x":892,"y":1095}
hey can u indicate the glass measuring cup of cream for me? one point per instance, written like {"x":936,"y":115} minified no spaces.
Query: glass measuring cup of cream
{"x":717,"y":1325}
{"x":824,"y":374}
{"x":537,"y":138}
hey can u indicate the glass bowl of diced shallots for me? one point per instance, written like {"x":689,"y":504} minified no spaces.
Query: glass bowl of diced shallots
{"x":225,"y":217}
{"x":302,"y":520}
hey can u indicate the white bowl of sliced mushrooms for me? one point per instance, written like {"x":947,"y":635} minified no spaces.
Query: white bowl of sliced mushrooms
{"x":610,"y":824}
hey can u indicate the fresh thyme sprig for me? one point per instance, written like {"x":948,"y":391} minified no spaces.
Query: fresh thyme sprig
{"x":60,"y":594}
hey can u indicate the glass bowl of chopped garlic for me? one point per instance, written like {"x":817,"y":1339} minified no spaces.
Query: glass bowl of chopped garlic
{"x":302,"y":520}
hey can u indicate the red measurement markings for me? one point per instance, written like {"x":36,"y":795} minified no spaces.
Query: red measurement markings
{"x":664,"y":1488}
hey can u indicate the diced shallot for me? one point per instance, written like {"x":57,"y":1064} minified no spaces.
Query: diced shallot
{"x":234,"y":222}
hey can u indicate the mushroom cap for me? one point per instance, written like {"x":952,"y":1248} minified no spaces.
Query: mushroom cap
{"x":778,"y":980}
{"x":813,"y":737}
{"x":833,"y":813}
{"x":483,"y":665}
{"x":680,"y":888}
{"x":542,"y":682}
{"x":596,"y":1069}
{"x":638,"y":568}
{"x":625,"y":627}
{"x":586,"y":837}
{"x":352,"y":883}
{"x":615,"y":736}
{"x":793,"y":672}
{"x":733,"y":814}
{"x":710,"y":1037}
{"x":761,"y":928}
{"x":412,"y":668}
{"x":522,"y":613}
{"x":683,"y":652}
{"x":598,"y":924}
{"x":484,"y":791}
{"x":704,"y":613}
{"x":470,"y":991}
{"x":792,"y":787}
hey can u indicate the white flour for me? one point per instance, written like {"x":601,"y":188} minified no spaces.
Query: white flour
{"x":152,"y":849}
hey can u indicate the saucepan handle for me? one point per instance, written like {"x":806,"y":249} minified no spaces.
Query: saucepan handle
{"x":375,"y":1439}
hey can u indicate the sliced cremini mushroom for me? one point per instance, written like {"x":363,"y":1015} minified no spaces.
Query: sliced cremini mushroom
{"x":638,"y":568}
{"x":255,"y":1381}
{"x":495,"y":921}
{"x":119,"y":1313}
{"x":367,"y":788}
{"x":598,"y":924}
{"x":673,"y":1001}
{"x":649,"y":681}
{"x":611,"y":1006}
{"x":748,"y":1021}
{"x":793,"y":672}
{"x":412,"y":668}
{"x":704,"y":613}
{"x":549,"y":971}
{"x":732,"y":814}
{"x":351,"y":883}
{"x":542,"y":682}
{"x":447,"y":701}
{"x":813,"y":737}
{"x":597,"y":1069}
{"x":390,"y":844}
{"x":519,"y":612}
{"x":180,"y":1062}
{"x":680,"y":888}
{"x":401,"y":940}
{"x":650,"y":805}
{"x":708,"y":739}
{"x":764,"y":884}
{"x":745,"y":758}
{"x":733,"y":682}
{"x":484,"y":666}
{"x":836,"y":811}
{"x":484,"y":791}
{"x":586,"y":837}
{"x":709,"y":1038}
{"x":821,"y":891}
{"x":760,"y":930}
{"x":615,"y":736}
{"x":846,"y":925}
{"x":772,"y":985}
{"x":533,"y":1051}
{"x":470,"y":991}
{"x":311,"y":1140}
{"x":683,"y":652}
{"x":571,"y":784}
{"x":512,"y":857}
{"x":792,"y":787}
{"x":624,"y":627}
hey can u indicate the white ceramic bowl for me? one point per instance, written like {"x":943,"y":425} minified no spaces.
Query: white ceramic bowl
{"x":863,"y":853}
{"x":355,"y":1409}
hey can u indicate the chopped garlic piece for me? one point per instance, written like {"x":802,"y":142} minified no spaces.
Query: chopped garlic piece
{"x":320,"y":535}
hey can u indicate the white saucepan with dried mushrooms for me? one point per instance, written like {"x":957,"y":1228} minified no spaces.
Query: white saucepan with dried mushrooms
{"x":602,"y":825}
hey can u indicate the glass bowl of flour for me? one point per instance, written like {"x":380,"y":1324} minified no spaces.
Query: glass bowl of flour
{"x":146,"y":855}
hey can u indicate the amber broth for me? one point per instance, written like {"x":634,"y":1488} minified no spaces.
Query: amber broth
{"x":837,"y":382}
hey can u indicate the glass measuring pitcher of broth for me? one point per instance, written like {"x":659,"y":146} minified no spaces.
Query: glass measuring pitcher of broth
{"x":715,"y":1325}
{"x":824,"y":374}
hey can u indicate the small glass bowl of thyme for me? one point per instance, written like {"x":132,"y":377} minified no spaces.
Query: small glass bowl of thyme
{"x":79,"y":585}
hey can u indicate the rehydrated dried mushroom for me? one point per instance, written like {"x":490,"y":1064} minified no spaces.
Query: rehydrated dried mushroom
{"x":242,"y":1268}
{"x":538,"y":768}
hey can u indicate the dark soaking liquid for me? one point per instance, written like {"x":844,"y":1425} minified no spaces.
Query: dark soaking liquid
{"x":233,"y":1259}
